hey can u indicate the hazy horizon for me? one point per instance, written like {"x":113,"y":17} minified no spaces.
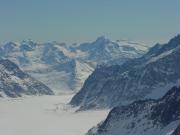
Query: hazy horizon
{"x":70,"y":21}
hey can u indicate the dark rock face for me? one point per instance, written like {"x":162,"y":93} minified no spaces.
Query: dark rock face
{"x":167,"y":108}
{"x":177,"y":131}
{"x":144,"y":116}
{"x":149,"y":76}
{"x":15,"y":83}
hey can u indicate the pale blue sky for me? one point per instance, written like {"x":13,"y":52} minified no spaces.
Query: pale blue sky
{"x":148,"y":21}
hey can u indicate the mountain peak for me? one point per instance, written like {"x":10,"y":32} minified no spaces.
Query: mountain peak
{"x":159,"y":49}
{"x":175,"y":40}
{"x":28,"y":41}
{"x":173,"y":43}
{"x":10,"y":44}
{"x":102,"y":39}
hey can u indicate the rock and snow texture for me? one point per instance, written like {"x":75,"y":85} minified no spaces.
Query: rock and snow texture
{"x":176,"y":131}
{"x":65,"y":67}
{"x":15,"y":83}
{"x":149,"y":76}
{"x":45,"y":115}
{"x":144,"y":117}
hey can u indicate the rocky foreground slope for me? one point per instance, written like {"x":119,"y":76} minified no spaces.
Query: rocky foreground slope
{"x":144,"y":117}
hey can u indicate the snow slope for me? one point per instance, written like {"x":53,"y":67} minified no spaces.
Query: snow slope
{"x":45,"y":115}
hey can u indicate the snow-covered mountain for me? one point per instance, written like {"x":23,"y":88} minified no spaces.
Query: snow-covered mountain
{"x":104,"y":51}
{"x":15,"y":83}
{"x":65,"y":67}
{"x":144,"y":117}
{"x":149,"y":76}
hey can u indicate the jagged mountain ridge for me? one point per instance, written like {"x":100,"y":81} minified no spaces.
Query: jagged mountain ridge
{"x":57,"y":64}
{"x":149,"y":76}
{"x":15,"y":83}
{"x":144,"y":117}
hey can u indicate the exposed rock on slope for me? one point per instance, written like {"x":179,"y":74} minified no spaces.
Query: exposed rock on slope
{"x":144,"y":117}
{"x":15,"y":83}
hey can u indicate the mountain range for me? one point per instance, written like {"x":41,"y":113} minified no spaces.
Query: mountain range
{"x":64,"y":67}
{"x":149,"y":76}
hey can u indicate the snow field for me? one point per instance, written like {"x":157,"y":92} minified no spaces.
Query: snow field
{"x":45,"y":115}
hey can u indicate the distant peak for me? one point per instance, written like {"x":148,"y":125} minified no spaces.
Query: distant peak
{"x":27,"y":41}
{"x":102,"y":39}
{"x":59,"y":43}
{"x":10,"y":44}
{"x":175,"y":40}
